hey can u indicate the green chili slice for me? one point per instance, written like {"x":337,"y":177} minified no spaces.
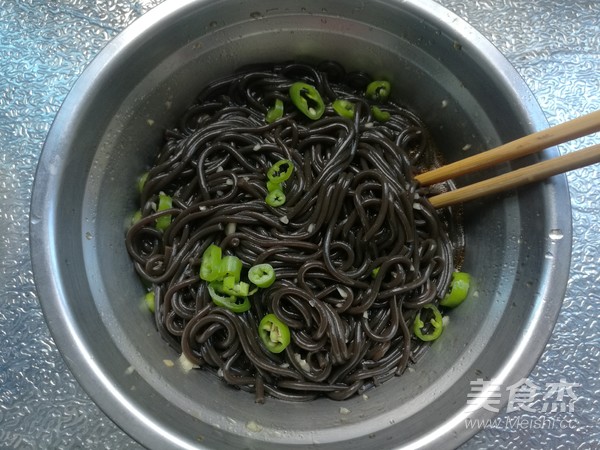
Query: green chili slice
{"x":379,"y":115}
{"x":459,"y":288}
{"x":231,"y":266}
{"x":275,"y":112}
{"x":215,"y":290}
{"x":141,"y":181}
{"x":262,"y":275}
{"x":149,"y":299}
{"x":375,"y":271}
{"x":344,"y":108}
{"x":378,"y":90}
{"x":307,"y":99}
{"x":136,"y":216}
{"x":436,"y":323}
{"x":235,"y":288}
{"x":280,"y":171}
{"x":274,"y":333}
{"x":164,"y":202}
{"x":210,"y":266}
{"x":275,"y":198}
{"x":272,"y":186}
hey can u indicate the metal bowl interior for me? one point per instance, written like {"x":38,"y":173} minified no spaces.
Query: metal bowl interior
{"x":112,"y":123}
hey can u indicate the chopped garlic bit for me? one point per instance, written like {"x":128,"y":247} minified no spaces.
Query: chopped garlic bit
{"x":168,"y":363}
{"x":302,"y":362}
{"x":220,"y":373}
{"x":344,"y":410}
{"x":343,"y":293}
{"x":220,"y":169}
{"x":186,"y":364}
{"x":445,"y":321}
{"x":369,"y":125}
{"x":253,"y":426}
{"x":467,"y":147}
{"x":229,"y":182}
{"x":311,"y":227}
{"x":284,"y":219}
{"x":129,"y":370}
{"x":150,"y":122}
{"x":444,"y":103}
{"x":256,"y":147}
{"x":417,"y":206}
{"x":202,"y":208}
{"x":230,"y":228}
{"x":365,"y":314}
{"x":365,"y":397}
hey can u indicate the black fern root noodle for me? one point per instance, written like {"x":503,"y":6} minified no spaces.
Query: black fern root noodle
{"x":356,"y":248}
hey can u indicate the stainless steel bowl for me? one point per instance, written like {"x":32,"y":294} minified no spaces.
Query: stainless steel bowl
{"x":112,"y":122}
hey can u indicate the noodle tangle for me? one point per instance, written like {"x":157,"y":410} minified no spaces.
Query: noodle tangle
{"x":357,"y":249}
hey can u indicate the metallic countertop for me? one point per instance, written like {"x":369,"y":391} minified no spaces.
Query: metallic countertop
{"x":45,"y":45}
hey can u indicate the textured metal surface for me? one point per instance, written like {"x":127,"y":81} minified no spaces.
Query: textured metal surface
{"x":44,"y":46}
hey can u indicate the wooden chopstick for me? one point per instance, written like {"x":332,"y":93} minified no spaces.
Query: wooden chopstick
{"x":526,"y":145}
{"x":519,"y":177}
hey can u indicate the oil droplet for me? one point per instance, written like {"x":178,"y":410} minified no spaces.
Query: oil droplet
{"x":549,"y":255}
{"x":555,"y":234}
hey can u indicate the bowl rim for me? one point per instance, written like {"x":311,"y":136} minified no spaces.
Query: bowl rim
{"x":57,"y":313}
